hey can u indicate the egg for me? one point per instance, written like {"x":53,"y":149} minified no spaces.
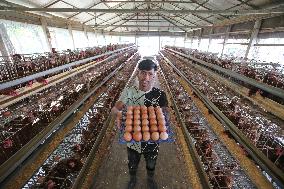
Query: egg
{"x":129,"y":116}
{"x":164,"y":135}
{"x":144,"y":112}
{"x":127,"y":136}
{"x":153,"y":121}
{"x":143,"y":108}
{"x":128,"y":122}
{"x":145,"y":122}
{"x":155,"y":136}
{"x":129,"y":113}
{"x":158,"y":109}
{"x":161,"y":118}
{"x":152,"y":116}
{"x":144,"y":116}
{"x":137,"y":136}
{"x":136,"y":117}
{"x":160,"y":115}
{"x":128,"y":128}
{"x":151,"y":108}
{"x":136,"y":108}
{"x":161,"y":122}
{"x":137,"y":123}
{"x":137,"y":112}
{"x":145,"y":128}
{"x":153,"y":128}
{"x":146,"y":136}
{"x":162,"y":128}
{"x":137,"y":128}
{"x":129,"y":108}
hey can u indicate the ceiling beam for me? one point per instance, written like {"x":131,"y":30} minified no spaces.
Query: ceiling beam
{"x":116,"y":6}
{"x":116,"y":16}
{"x":163,"y":2}
{"x":224,"y":12}
{"x":199,"y":17}
{"x":75,"y":14}
{"x":246,"y":3}
{"x":131,"y":16}
{"x":203,"y":6}
{"x":137,"y":25}
{"x":51,"y":3}
{"x":172,"y":22}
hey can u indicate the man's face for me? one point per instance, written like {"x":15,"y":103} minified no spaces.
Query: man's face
{"x":146,"y":79}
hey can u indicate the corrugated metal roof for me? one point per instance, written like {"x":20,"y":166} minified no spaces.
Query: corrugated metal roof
{"x":174,"y":21}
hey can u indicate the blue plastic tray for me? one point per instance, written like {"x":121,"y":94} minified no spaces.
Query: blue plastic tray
{"x":168,"y":125}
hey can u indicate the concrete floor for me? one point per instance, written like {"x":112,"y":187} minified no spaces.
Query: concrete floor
{"x":113,"y":173}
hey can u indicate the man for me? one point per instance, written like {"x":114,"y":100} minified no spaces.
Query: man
{"x":144,"y":94}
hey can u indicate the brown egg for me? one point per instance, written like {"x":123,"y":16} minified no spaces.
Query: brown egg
{"x":160,"y":115}
{"x":155,"y":136}
{"x":161,"y":122}
{"x":164,"y":135}
{"x":128,"y":122}
{"x":137,"y":123}
{"x":136,"y":112}
{"x":136,"y":108}
{"x":151,"y":108}
{"x":137,"y":136}
{"x":143,"y":108}
{"x":137,"y":128}
{"x":129,"y":117}
{"x":129,"y":113}
{"x":144,"y":116}
{"x":128,"y":128}
{"x":129,"y":108}
{"x":152,"y":116}
{"x":145,"y":128}
{"x":136,"y":117}
{"x":158,"y":109}
{"x":145,"y":122}
{"x":162,"y":128}
{"x":144,"y":112}
{"x":153,"y":121}
{"x":146,"y":136}
{"x":127,"y":136}
{"x":153,"y":128}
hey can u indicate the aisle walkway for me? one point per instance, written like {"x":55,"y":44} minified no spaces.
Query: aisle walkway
{"x":113,"y":173}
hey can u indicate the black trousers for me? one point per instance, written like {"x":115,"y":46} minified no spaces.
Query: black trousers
{"x":150,"y":154}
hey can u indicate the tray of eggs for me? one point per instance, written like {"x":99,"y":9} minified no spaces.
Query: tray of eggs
{"x":144,"y":124}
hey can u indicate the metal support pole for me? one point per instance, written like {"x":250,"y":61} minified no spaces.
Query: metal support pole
{"x":46,"y":33}
{"x":199,"y":38}
{"x":3,"y":49}
{"x":210,"y":39}
{"x":253,"y":36}
{"x":159,"y":41}
{"x":71,"y":35}
{"x":86,"y":35}
{"x":226,"y":38}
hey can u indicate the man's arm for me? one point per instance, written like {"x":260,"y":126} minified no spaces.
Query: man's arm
{"x":120,"y":103}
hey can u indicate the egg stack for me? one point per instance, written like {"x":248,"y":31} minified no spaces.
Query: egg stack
{"x":145,"y":123}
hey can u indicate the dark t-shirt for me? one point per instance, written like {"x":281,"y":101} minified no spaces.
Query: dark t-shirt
{"x":156,"y":97}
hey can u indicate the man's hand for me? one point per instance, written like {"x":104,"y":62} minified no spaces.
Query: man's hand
{"x":114,"y":111}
